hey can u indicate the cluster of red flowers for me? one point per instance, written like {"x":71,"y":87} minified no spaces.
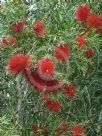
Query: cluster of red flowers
{"x":42,"y":76}
{"x":77,"y":130}
{"x":83,"y":15}
{"x":92,"y":20}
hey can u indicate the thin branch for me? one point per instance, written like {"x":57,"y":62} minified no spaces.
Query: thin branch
{"x":19,"y":104}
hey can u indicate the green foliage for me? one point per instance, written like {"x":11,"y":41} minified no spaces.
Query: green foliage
{"x":7,"y":128}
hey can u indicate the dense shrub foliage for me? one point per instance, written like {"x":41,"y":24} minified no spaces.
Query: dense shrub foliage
{"x":51,"y":68}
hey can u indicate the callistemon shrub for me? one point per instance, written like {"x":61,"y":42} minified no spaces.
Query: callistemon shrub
{"x":51,"y":67}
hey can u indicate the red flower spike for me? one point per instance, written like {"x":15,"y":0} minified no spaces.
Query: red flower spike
{"x":94,"y":21}
{"x":82,"y":13}
{"x":80,"y":41}
{"x":39,"y":28}
{"x":18,"y":27}
{"x":18,"y":63}
{"x":46,"y":69}
{"x":54,"y":106}
{"x":6,"y":41}
{"x":70,"y":90}
{"x":89,"y":52}
{"x":78,"y":130}
{"x":40,"y":84}
{"x":35,"y":128}
{"x":62,"y":52}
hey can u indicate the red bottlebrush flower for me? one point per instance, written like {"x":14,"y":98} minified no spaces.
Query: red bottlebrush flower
{"x":40,"y":84}
{"x":89,"y":52}
{"x":82,"y":13}
{"x":94,"y":21}
{"x":54,"y":106}
{"x":80,"y":41}
{"x":70,"y":90}
{"x":8,"y":41}
{"x":78,"y":130}
{"x":45,"y":132}
{"x":35,"y":128}
{"x":62,"y":52}
{"x":39,"y":28}
{"x":18,"y":27}
{"x":18,"y":63}
{"x":46,"y":69}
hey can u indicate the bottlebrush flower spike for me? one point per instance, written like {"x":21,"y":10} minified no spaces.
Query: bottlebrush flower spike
{"x":35,"y":128}
{"x":41,"y":85}
{"x":39,"y":28}
{"x":82,"y":13}
{"x":18,"y":27}
{"x":94,"y":21}
{"x":81,"y":41}
{"x":46,"y":68}
{"x":52,"y":106}
{"x":78,"y":130}
{"x":62,"y":52}
{"x":18,"y":63}
{"x":89,"y":52}
{"x":8,"y":41}
{"x":70,"y":90}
